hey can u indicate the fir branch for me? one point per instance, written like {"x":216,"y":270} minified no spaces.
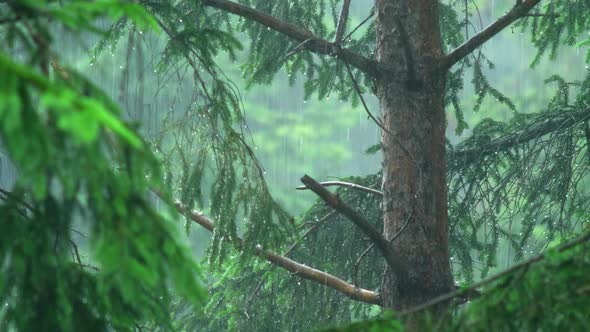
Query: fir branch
{"x":520,"y":10}
{"x":290,"y":265}
{"x":561,"y":121}
{"x":472,"y":289}
{"x":347,"y":185}
{"x":315,"y":44}
{"x":363,"y":224}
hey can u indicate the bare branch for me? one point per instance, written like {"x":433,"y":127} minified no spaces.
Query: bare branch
{"x":472,"y":288}
{"x":298,"y":48}
{"x":348,"y":185}
{"x":380,"y":242}
{"x":342,"y":22}
{"x":290,"y":265}
{"x":518,"y":11}
{"x":315,"y":44}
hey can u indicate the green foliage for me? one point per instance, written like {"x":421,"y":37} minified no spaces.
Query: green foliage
{"x":386,"y":323}
{"x":507,"y":201}
{"x":80,"y":166}
{"x":558,"y":23}
{"x":520,"y":205}
{"x":547,"y":296}
{"x":515,"y":187}
{"x":213,"y":128}
{"x":261,"y":295}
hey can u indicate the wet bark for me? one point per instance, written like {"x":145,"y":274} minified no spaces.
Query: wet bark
{"x":414,"y":183}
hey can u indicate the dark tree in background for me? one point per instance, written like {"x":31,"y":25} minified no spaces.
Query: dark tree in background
{"x":383,"y":241}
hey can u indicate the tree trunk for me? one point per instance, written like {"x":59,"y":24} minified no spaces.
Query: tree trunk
{"x":414,"y":180}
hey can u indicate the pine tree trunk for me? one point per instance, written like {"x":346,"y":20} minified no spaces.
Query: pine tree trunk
{"x":414,"y":180}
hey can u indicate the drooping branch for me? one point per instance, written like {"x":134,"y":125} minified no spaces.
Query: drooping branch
{"x":562,"y":120}
{"x":347,"y":185}
{"x":520,"y":10}
{"x":307,"y":38}
{"x":363,"y":224}
{"x":290,"y":265}
{"x":472,"y":288}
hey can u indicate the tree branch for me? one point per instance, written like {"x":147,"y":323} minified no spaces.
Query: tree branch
{"x":472,"y":288}
{"x":563,"y":119}
{"x":347,"y":185}
{"x":290,"y":265}
{"x":518,"y":11}
{"x":342,"y":22}
{"x":380,"y":242}
{"x":315,"y":44}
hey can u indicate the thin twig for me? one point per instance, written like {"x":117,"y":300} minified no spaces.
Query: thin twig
{"x":291,"y":248}
{"x":298,"y":48}
{"x":76,"y":252}
{"x":358,"y":262}
{"x":396,"y":235}
{"x":307,"y":232}
{"x":347,"y":185}
{"x":357,"y":27}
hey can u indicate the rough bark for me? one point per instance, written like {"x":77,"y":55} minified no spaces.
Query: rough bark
{"x":414,"y":183}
